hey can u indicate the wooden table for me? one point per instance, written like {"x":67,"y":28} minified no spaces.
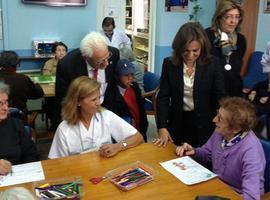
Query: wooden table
{"x":165,"y":185}
{"x":48,"y":89}
{"x":47,"y":82}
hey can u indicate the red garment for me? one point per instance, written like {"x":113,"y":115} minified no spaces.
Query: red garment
{"x":95,"y":74}
{"x":130,"y":99}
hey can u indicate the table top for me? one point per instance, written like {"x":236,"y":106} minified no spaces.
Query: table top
{"x":47,"y":82}
{"x":42,"y":79}
{"x":164,"y":186}
{"x":48,"y":89}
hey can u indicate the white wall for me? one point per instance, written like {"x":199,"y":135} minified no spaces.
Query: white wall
{"x":103,"y":8}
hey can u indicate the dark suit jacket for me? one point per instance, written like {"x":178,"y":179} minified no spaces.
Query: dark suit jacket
{"x":72,"y":66}
{"x":232,"y":78}
{"x":21,"y":89}
{"x":208,"y":88}
{"x":115,"y":102}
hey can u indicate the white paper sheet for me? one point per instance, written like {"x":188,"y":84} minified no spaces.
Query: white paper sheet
{"x":23,"y":173}
{"x":187,"y":170}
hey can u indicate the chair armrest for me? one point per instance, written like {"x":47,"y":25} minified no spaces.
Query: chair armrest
{"x":31,"y":119}
{"x":149,"y":94}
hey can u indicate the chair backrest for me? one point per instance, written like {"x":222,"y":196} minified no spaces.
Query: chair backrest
{"x":266,"y":148}
{"x":254,"y":74}
{"x":151,"y":81}
{"x":17,"y":113}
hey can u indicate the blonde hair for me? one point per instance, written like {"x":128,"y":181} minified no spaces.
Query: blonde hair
{"x":222,"y":8}
{"x":79,"y":88}
{"x":91,"y":42}
{"x":17,"y":193}
{"x":242,"y":113}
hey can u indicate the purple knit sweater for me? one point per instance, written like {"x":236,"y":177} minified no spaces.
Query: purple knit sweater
{"x":241,"y":166}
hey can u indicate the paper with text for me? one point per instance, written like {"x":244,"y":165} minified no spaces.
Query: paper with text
{"x":187,"y":170}
{"x":23,"y":173}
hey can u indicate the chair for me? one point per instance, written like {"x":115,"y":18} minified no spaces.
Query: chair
{"x":151,"y":85}
{"x":29,"y":123}
{"x":266,"y":148}
{"x":254,"y":74}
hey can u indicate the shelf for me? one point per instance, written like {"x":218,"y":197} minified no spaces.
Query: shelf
{"x":137,"y":28}
{"x":141,"y":61}
{"x":141,"y":35}
{"x":35,"y":58}
{"x":143,"y":48}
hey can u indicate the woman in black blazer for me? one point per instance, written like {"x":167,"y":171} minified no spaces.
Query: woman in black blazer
{"x":191,"y":85}
{"x":228,"y":44}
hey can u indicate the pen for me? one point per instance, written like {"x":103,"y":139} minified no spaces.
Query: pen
{"x":11,"y":171}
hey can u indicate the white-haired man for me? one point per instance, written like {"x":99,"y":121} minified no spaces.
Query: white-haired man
{"x":94,"y":59}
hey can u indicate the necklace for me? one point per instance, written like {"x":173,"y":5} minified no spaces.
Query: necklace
{"x":190,"y":70}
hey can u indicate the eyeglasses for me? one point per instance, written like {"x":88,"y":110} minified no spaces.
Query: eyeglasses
{"x":219,"y":117}
{"x":4,"y":103}
{"x":102,"y":61}
{"x":232,"y":17}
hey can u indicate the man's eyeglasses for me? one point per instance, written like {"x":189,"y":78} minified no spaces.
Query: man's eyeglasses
{"x":232,"y":17}
{"x":101,"y":61}
{"x":4,"y":103}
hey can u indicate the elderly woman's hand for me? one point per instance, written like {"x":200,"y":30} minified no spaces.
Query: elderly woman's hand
{"x":164,"y":138}
{"x":109,"y":150}
{"x":5,"y":167}
{"x":185,"y":150}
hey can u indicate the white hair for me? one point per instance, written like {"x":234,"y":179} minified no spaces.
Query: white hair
{"x":4,"y":88}
{"x":92,"y":41}
{"x":17,"y":193}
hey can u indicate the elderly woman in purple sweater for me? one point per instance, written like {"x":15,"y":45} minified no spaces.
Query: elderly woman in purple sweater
{"x":234,"y":151}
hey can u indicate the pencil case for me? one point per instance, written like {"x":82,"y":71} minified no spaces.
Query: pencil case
{"x":131,"y":176}
{"x":59,"y":189}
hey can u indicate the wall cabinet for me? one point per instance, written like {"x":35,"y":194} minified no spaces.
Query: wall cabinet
{"x":137,"y":27}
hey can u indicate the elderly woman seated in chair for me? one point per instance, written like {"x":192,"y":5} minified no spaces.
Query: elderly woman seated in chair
{"x":16,"y":146}
{"x":234,"y":151}
{"x":88,"y":127}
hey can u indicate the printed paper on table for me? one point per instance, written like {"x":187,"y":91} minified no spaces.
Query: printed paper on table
{"x":23,"y":173}
{"x":187,"y":170}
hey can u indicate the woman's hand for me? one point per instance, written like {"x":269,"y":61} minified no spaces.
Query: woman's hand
{"x":5,"y":167}
{"x":185,"y":150}
{"x":164,"y":137}
{"x":109,"y":150}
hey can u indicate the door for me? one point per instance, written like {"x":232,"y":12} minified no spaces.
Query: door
{"x":249,"y":29}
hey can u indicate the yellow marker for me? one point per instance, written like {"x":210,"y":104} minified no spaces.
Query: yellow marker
{"x":45,"y":185}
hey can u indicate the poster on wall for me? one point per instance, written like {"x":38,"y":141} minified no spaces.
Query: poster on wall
{"x":111,"y":11}
{"x":266,"y":6}
{"x":57,"y":2}
{"x":176,"y":5}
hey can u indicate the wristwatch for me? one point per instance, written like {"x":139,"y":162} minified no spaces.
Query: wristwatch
{"x":125,"y":145}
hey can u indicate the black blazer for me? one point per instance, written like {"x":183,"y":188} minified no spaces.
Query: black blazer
{"x":232,"y":79}
{"x":73,"y":65}
{"x":208,"y":88}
